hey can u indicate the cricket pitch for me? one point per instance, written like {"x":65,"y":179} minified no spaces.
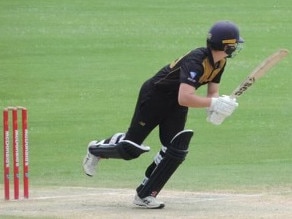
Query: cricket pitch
{"x":83,"y":202}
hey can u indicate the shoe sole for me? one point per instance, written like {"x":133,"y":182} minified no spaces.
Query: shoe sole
{"x":141,"y":204}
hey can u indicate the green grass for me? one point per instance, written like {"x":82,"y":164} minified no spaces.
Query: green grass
{"x":78,"y":65}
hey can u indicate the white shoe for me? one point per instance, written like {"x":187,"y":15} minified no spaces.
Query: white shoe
{"x":90,"y":161}
{"x":148,"y":202}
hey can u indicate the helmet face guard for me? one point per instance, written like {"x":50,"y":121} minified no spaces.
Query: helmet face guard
{"x":233,"y":49}
{"x":224,"y":36}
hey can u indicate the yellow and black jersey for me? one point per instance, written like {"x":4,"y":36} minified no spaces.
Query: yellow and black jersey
{"x":196,"y":68}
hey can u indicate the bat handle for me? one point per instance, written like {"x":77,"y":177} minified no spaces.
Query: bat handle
{"x":232,"y":96}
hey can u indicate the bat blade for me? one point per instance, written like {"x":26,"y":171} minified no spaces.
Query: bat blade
{"x":259,"y":71}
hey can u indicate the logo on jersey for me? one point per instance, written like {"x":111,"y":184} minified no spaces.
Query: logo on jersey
{"x":192,"y":77}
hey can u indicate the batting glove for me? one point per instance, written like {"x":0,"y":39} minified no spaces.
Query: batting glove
{"x":223,"y":105}
{"x":221,"y":108}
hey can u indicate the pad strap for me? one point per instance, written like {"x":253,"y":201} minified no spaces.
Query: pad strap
{"x":124,"y":149}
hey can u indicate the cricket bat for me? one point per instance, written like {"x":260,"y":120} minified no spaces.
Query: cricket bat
{"x":259,"y":71}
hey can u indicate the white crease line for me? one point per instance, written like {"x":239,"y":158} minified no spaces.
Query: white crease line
{"x":62,"y":196}
{"x":98,"y":192}
{"x":195,"y":197}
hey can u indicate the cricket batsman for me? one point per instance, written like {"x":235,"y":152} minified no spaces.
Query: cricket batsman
{"x":163,"y":102}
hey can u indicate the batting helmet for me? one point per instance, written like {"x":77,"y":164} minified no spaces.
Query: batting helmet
{"x":224,"y":36}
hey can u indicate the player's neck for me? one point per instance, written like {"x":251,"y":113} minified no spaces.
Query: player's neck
{"x":218,"y":55}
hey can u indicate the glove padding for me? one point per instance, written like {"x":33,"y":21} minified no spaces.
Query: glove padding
{"x":216,"y":118}
{"x":223,"y":105}
{"x":221,"y":108}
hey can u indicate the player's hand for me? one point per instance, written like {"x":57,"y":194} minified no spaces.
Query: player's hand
{"x":216,"y":118}
{"x":223,"y":105}
{"x":221,"y":108}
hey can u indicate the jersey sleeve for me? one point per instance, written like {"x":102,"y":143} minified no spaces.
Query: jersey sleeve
{"x":199,"y":72}
{"x":190,"y":73}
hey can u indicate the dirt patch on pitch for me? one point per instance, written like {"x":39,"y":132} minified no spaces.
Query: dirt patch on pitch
{"x":77,"y":202}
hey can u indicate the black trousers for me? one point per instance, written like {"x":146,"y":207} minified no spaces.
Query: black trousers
{"x":156,"y":107}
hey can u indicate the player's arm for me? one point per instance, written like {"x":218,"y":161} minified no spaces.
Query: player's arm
{"x":187,"y":97}
{"x":213,"y":89}
{"x":218,"y":107}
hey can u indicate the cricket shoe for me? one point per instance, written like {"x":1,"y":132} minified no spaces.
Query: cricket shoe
{"x":90,"y":161}
{"x":148,"y":202}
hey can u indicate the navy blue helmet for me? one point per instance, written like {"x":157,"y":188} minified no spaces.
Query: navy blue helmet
{"x":224,"y":36}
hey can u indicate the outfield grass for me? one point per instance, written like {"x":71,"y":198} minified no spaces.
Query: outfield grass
{"x":77,"y":66}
